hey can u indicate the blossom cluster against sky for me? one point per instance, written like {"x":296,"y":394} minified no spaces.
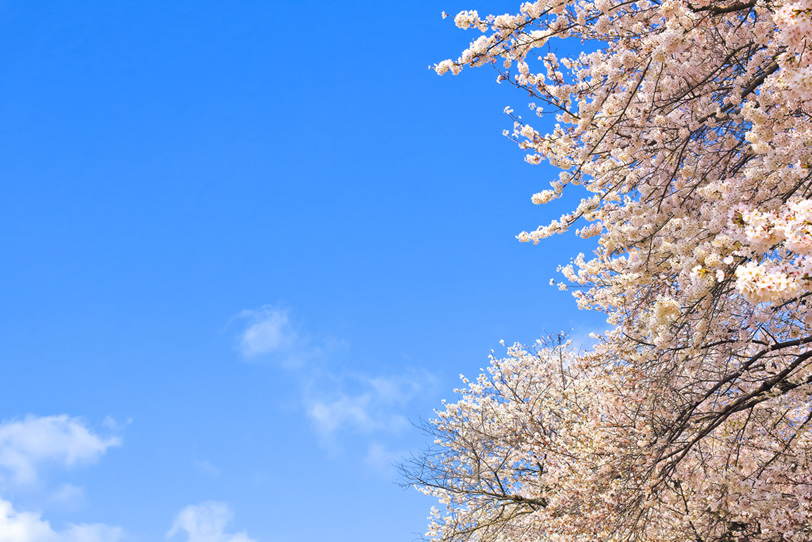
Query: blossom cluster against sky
{"x":247,"y":247}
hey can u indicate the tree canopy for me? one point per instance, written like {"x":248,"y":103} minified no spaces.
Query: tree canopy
{"x":690,"y":127}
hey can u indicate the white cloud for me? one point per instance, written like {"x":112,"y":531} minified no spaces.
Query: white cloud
{"x":399,"y":390}
{"x":269,"y":333}
{"x":35,"y":441}
{"x":372,"y":403}
{"x":206,"y":522}
{"x":269,"y":330}
{"x":22,"y":526}
{"x":29,"y":527}
{"x":114,"y":425}
{"x":347,"y":410}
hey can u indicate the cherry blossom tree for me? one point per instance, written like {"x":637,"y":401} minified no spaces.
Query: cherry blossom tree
{"x":688,"y":125}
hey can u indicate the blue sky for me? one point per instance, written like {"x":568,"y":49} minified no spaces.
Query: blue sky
{"x":247,"y":245}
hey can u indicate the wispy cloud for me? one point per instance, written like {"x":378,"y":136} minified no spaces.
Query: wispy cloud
{"x":269,"y":330}
{"x":348,"y":410}
{"x":67,"y":496}
{"x":336,"y":404}
{"x":27,"y":445}
{"x":206,"y":522}
{"x":29,"y":527}
{"x":90,"y":532}
{"x":362,"y":403}
{"x":269,"y":333}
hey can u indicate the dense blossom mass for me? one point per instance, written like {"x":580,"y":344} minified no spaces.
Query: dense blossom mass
{"x":689,"y":126}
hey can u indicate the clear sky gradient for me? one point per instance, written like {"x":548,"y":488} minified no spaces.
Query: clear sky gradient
{"x":245,"y":246}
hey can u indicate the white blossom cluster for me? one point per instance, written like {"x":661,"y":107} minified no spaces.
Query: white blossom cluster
{"x":689,"y":124}
{"x":543,"y":446}
{"x":787,"y":237}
